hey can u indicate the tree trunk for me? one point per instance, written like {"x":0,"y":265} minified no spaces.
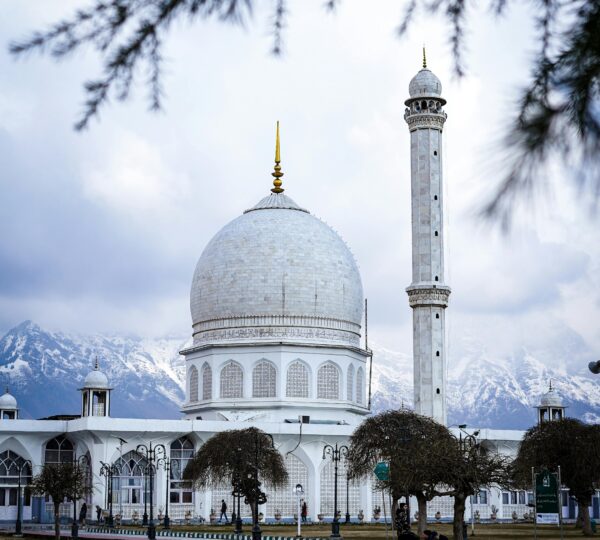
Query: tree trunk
{"x":422,"y":507}
{"x":584,"y":514}
{"x":57,"y":520}
{"x":459,"y":517}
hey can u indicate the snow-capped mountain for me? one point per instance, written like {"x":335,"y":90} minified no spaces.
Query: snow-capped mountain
{"x":44,"y":370}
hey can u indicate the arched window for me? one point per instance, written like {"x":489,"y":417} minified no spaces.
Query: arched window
{"x":360,"y":386}
{"x":206,"y":381}
{"x":193,"y":384}
{"x":328,"y":382}
{"x":328,"y":486}
{"x":350,"y":383}
{"x":59,"y":450}
{"x":232,"y":381}
{"x":10,"y":465}
{"x":297,"y":380}
{"x":282,"y":498}
{"x":182,"y":451}
{"x":128,"y":486}
{"x":264,"y":380}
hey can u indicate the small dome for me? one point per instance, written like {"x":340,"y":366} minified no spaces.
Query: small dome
{"x":96,"y":379}
{"x":551,"y":399}
{"x":425,"y":84}
{"x":8,"y":401}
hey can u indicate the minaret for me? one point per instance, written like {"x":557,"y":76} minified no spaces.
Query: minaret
{"x":427,"y":294}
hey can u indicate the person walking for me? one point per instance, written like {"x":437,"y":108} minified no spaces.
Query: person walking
{"x":82,"y":514}
{"x":304,"y":511}
{"x":98,"y":514}
{"x":223,"y":511}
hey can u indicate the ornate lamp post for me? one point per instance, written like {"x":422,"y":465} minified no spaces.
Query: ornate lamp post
{"x":109,"y":470}
{"x":336,"y":453}
{"x":19,"y":524}
{"x":145,"y":516}
{"x":165,"y":462}
{"x":78,"y":463}
{"x":469,"y":444}
{"x":299,"y":491}
{"x":237,"y":493}
{"x":152,"y":455}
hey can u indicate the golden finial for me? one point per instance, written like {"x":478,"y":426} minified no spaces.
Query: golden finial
{"x":277,"y":174}
{"x":424,"y":58}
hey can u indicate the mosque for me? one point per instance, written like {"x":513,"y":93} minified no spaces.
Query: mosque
{"x":278,"y":344}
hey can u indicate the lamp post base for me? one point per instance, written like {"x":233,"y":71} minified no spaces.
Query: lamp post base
{"x":110,"y":521}
{"x":347,"y":517}
{"x":74,"y":530}
{"x":256,"y":532}
{"x":145,"y":520}
{"x":167,"y":522}
{"x":151,"y":531}
{"x":238,"y":525}
{"x":335,"y":529}
{"x":18,"y":528}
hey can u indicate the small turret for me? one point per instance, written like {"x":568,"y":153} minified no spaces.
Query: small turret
{"x":95,"y":394}
{"x":8,"y":406}
{"x":551,"y":406}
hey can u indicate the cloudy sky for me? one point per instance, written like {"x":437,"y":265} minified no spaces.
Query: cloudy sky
{"x":101,"y":230}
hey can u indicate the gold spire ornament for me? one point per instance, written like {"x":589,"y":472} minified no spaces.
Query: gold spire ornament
{"x":277,"y":174}
{"x":424,"y":58}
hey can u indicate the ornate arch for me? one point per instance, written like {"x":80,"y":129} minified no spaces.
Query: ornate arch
{"x":264,"y":380}
{"x":206,"y":381}
{"x":297,"y":382}
{"x":328,"y":381}
{"x":232,"y":380}
{"x":193,"y":384}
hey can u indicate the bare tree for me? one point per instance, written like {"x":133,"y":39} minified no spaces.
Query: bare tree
{"x":61,"y":481}
{"x":246,"y":455}
{"x":570,"y":444}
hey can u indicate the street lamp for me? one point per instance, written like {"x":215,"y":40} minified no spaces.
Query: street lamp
{"x":108,"y":471}
{"x":26,"y":464}
{"x":152,"y":454}
{"x":165,"y":462}
{"x":77,"y":465}
{"x":468,"y":444}
{"x":336,"y":453}
{"x":299,"y":491}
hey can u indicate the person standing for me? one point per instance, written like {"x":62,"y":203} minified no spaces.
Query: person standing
{"x":223,"y":510}
{"x":82,"y":514}
{"x":98,"y":514}
{"x":304,"y":511}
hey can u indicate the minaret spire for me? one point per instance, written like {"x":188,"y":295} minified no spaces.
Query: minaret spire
{"x":277,"y":174}
{"x":96,"y":366}
{"x":424,"y":58}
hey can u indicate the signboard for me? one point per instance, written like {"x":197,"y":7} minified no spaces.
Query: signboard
{"x":546,"y":498}
{"x":382,"y":471}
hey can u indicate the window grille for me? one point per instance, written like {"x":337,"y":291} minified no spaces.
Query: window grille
{"x":206,"y":382}
{"x":264,"y":380}
{"x":232,"y":381}
{"x":350,"y":384}
{"x":193,"y":384}
{"x":360,"y":386}
{"x":284,"y":498}
{"x":182,"y":451}
{"x":328,"y":382}
{"x":59,"y":450}
{"x":327,"y":488}
{"x":297,"y":380}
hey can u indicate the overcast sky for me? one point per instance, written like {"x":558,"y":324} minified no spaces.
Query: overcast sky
{"x":101,"y":230}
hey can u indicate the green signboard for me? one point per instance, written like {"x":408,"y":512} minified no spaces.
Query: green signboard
{"x":547,"y":504}
{"x":382,"y":471}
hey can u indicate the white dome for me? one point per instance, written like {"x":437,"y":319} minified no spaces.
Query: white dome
{"x":96,"y":379}
{"x":8,"y":401}
{"x":276,"y":273}
{"x":551,"y":399}
{"x":425,"y":84}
